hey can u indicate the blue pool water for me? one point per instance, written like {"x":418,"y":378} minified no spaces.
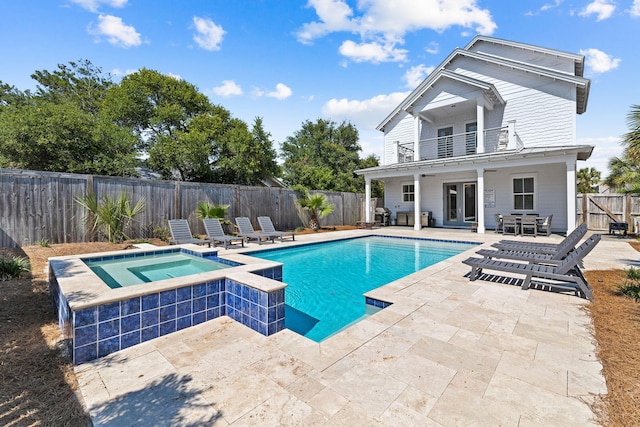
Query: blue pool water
{"x":326,"y":281}
{"x":130,"y":271}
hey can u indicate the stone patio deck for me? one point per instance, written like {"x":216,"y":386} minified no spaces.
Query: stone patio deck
{"x":447,"y":352}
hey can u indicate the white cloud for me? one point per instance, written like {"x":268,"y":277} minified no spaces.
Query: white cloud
{"x":383,"y":24}
{"x":209,"y":35}
{"x":116,"y":31}
{"x":598,"y":61}
{"x":117,"y":72}
{"x":635,"y":8}
{"x":93,"y":5}
{"x":415,"y":75}
{"x":366,"y":114}
{"x":603,"y":9}
{"x":282,"y":92}
{"x":604,"y":149}
{"x":432,"y":48}
{"x":228,"y":88}
{"x":174,"y":76}
{"x":372,"y":52}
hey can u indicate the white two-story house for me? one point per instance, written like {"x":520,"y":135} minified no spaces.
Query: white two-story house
{"x":492,"y":130}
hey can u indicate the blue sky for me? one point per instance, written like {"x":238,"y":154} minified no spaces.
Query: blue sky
{"x":291,"y":61}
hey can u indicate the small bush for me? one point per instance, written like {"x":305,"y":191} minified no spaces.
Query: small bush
{"x":162,"y":233}
{"x":13,"y":267}
{"x":631,"y":286}
{"x":45,"y":243}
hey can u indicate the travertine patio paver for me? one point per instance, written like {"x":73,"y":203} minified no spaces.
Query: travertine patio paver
{"x":447,"y":352}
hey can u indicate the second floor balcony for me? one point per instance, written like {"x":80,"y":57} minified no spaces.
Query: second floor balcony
{"x":462,"y":144}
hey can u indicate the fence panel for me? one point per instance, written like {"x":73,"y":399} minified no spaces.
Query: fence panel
{"x":42,"y":205}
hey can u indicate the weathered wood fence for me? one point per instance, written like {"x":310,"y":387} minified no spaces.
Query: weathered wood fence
{"x":598,"y":210}
{"x":41,"y":205}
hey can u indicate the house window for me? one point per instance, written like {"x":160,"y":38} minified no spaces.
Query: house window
{"x":445,"y":142}
{"x":523,"y":193}
{"x":408,"y":193}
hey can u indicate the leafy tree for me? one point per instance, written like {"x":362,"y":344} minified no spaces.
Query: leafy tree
{"x":318,"y":207}
{"x":377,"y":187}
{"x":60,"y":127}
{"x":323,"y":156}
{"x":246,"y":157}
{"x":185,"y":136}
{"x":588,"y":180}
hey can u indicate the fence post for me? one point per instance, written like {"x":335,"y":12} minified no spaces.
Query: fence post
{"x":627,"y":210}
{"x":177,"y":205}
{"x":585,"y":216}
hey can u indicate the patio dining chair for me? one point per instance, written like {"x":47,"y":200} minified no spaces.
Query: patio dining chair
{"x":544,"y":227}
{"x":181,"y":233}
{"x":529,"y":225}
{"x":499,"y":220}
{"x":510,"y":225}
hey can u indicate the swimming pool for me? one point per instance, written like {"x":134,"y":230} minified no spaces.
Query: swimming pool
{"x":131,"y":271}
{"x":326,"y":281}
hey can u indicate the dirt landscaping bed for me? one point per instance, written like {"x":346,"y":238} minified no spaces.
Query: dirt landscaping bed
{"x":38,"y":385}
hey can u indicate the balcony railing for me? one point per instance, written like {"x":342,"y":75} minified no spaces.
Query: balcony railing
{"x":495,"y":140}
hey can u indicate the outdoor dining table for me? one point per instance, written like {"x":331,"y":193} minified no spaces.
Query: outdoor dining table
{"x":518,"y":218}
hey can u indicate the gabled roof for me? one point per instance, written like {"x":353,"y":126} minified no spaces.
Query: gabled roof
{"x":441,"y":71}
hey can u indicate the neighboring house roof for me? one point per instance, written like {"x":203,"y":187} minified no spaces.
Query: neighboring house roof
{"x":582,"y":84}
{"x":582,"y":152}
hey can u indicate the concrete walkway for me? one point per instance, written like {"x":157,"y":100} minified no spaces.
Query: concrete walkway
{"x":447,"y":352}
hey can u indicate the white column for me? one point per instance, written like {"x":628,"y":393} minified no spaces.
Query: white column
{"x":512,"y":144}
{"x":480,"y":125}
{"x":416,"y":138}
{"x":480,"y":200}
{"x":571,"y":195}
{"x":416,"y":203}
{"x":367,"y":197}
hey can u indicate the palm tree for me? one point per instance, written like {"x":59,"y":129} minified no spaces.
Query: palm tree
{"x":588,"y":180}
{"x":318,"y":207}
{"x":631,"y":139}
{"x":624,"y":175}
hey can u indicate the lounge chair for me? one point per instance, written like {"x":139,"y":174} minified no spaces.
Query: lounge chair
{"x":566,"y":275}
{"x":267,"y":227}
{"x":216,"y":234}
{"x":246,"y":230}
{"x":567,"y":243}
{"x":181,"y":233}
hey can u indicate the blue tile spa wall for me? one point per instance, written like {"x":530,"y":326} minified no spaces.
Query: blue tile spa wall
{"x":104,"y":329}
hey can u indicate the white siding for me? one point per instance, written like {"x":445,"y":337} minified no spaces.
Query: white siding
{"x":400,"y":129}
{"x":554,"y":62}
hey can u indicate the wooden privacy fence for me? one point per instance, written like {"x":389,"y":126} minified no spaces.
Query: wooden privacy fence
{"x":41,"y":205}
{"x":598,"y":210}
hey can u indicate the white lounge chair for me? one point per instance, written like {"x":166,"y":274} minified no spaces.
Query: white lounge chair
{"x":181,"y":233}
{"x":216,"y":234}
{"x":267,"y":227}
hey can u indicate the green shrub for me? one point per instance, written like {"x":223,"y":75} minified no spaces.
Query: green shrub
{"x":44,"y":243}
{"x":13,"y":267}
{"x":162,"y":233}
{"x":631,"y":286}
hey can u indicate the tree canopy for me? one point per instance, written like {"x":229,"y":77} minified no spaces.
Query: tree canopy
{"x":323,"y":155}
{"x":79,"y":120}
{"x":60,"y":127}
